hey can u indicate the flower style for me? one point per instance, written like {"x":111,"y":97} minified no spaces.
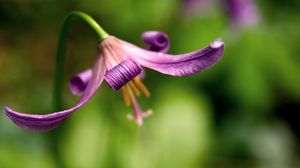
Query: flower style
{"x":119,"y":63}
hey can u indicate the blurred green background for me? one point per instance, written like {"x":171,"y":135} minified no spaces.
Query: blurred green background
{"x":243,"y":112}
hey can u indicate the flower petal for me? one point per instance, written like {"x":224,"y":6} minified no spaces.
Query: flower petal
{"x":157,"y":41}
{"x":79,"y":82}
{"x":177,"y":65}
{"x":40,"y":122}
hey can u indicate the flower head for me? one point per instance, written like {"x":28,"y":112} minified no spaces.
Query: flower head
{"x":119,"y":63}
{"x":196,"y":7}
{"x":242,"y":12}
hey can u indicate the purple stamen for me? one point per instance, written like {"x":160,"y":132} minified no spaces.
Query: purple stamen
{"x":119,"y":75}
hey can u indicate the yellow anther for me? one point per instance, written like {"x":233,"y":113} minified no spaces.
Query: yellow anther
{"x":134,"y":88}
{"x":141,"y":86}
{"x":126,"y":96}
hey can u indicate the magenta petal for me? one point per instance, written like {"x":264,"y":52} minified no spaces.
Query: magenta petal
{"x":157,"y":41}
{"x":79,"y":82}
{"x":38,"y":122}
{"x":177,"y":65}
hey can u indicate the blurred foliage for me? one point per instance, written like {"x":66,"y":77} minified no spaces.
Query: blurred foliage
{"x":243,"y":112}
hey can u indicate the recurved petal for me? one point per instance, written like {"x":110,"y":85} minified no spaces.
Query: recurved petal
{"x":38,"y":122}
{"x":157,"y":41}
{"x":177,"y":65}
{"x":79,"y":82}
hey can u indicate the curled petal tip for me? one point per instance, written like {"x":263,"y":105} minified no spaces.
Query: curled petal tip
{"x":79,"y":82}
{"x":76,"y":85}
{"x":217,"y":43}
{"x":156,"y":40}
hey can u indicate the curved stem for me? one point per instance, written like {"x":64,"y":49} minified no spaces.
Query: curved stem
{"x":59,"y":75}
{"x":61,"y":51}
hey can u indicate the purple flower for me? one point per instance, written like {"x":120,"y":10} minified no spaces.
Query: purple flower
{"x":242,"y":12}
{"x":120,"y":63}
{"x":196,"y":7}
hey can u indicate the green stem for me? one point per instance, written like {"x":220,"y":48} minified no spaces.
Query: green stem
{"x":59,"y":75}
{"x":59,"y":69}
